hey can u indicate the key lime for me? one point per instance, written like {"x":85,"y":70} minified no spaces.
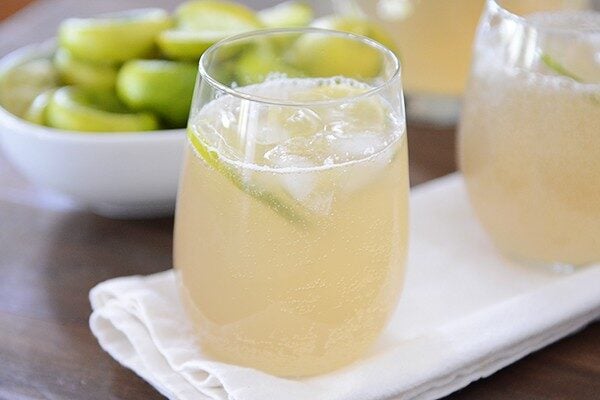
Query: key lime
{"x":78,"y":109}
{"x":202,"y":23}
{"x":83,"y":73}
{"x":257,"y":63}
{"x":290,"y":14}
{"x":116,"y":37}
{"x":189,"y":45}
{"x":321,"y":56}
{"x":215,"y":15}
{"x":163,"y":87}
{"x":21,"y":84}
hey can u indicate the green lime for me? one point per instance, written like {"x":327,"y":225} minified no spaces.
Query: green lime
{"x":323,"y":56}
{"x":202,"y":23}
{"x":163,"y":87}
{"x":257,"y":63}
{"x":21,"y":84}
{"x":581,"y":69}
{"x":77,"y":109}
{"x":215,"y":15}
{"x":289,"y":14}
{"x":37,"y":110}
{"x":277,"y":203}
{"x":114,"y":38}
{"x":78,"y":72}
{"x":188,"y":45}
{"x":358,"y":26}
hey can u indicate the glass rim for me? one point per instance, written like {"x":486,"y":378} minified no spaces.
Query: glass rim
{"x":498,"y":7}
{"x":204,"y":74}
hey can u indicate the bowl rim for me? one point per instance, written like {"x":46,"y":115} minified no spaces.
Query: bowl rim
{"x":16,"y":124}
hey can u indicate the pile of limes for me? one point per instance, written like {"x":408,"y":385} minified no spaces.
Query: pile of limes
{"x":136,"y":70}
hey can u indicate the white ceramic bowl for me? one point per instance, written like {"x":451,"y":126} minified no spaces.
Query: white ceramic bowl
{"x":121,"y":175}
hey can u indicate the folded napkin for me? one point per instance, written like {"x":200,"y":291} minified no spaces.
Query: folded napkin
{"x":464,"y":314}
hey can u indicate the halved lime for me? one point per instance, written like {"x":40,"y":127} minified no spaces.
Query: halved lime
{"x":21,"y":84}
{"x":85,"y":110}
{"x":202,"y":23}
{"x":289,"y":14}
{"x":114,"y":38}
{"x":189,"y":45}
{"x":358,"y":26}
{"x":331,"y":56}
{"x":257,"y":63}
{"x":78,"y":72}
{"x":163,"y":87}
{"x":215,"y":15}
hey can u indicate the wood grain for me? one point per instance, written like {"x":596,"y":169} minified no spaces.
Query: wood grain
{"x":52,"y":254}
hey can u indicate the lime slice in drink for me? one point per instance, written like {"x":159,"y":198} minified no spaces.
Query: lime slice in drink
{"x":202,"y":23}
{"x":21,"y":84}
{"x":331,"y":56}
{"x":78,"y":109}
{"x":83,"y":73}
{"x":275,"y":202}
{"x":114,"y":38}
{"x":37,"y":110}
{"x":580,"y":70}
{"x":289,"y":14}
{"x":257,"y":63}
{"x":163,"y":87}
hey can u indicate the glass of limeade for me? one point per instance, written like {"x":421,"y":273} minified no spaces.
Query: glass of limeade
{"x":292,"y":215}
{"x":530,"y":134}
{"x":434,"y":39}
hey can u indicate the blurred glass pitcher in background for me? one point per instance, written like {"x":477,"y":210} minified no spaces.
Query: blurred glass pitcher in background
{"x":435,"y":39}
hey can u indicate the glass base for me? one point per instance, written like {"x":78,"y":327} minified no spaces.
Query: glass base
{"x":433,"y":110}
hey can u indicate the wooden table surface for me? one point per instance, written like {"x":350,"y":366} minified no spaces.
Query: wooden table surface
{"x":52,"y":254}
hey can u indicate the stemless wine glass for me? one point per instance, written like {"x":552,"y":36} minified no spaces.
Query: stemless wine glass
{"x":530,"y":134}
{"x":291,"y":222}
{"x":435,"y":40}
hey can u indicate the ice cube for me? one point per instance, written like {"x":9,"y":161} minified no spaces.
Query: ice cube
{"x":297,"y":158}
{"x":369,"y":148}
{"x":354,"y":147}
{"x":278,"y":123}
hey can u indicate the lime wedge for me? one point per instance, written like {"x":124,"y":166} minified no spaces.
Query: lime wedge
{"x":558,"y":68}
{"x":290,"y":14}
{"x":37,"y":111}
{"x":322,"y":56}
{"x":114,"y":38}
{"x":258,"y":62}
{"x":83,"y":73}
{"x":21,"y":84}
{"x":163,"y":87}
{"x":215,"y":15}
{"x":84,"y":110}
{"x":276,"y":203}
{"x":580,"y":67}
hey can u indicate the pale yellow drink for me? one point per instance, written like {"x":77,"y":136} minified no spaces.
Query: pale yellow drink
{"x":435,"y":37}
{"x":530,"y":152}
{"x":293,"y":261}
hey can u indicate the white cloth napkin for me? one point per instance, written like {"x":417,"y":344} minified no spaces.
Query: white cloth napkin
{"x":465,"y":313}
